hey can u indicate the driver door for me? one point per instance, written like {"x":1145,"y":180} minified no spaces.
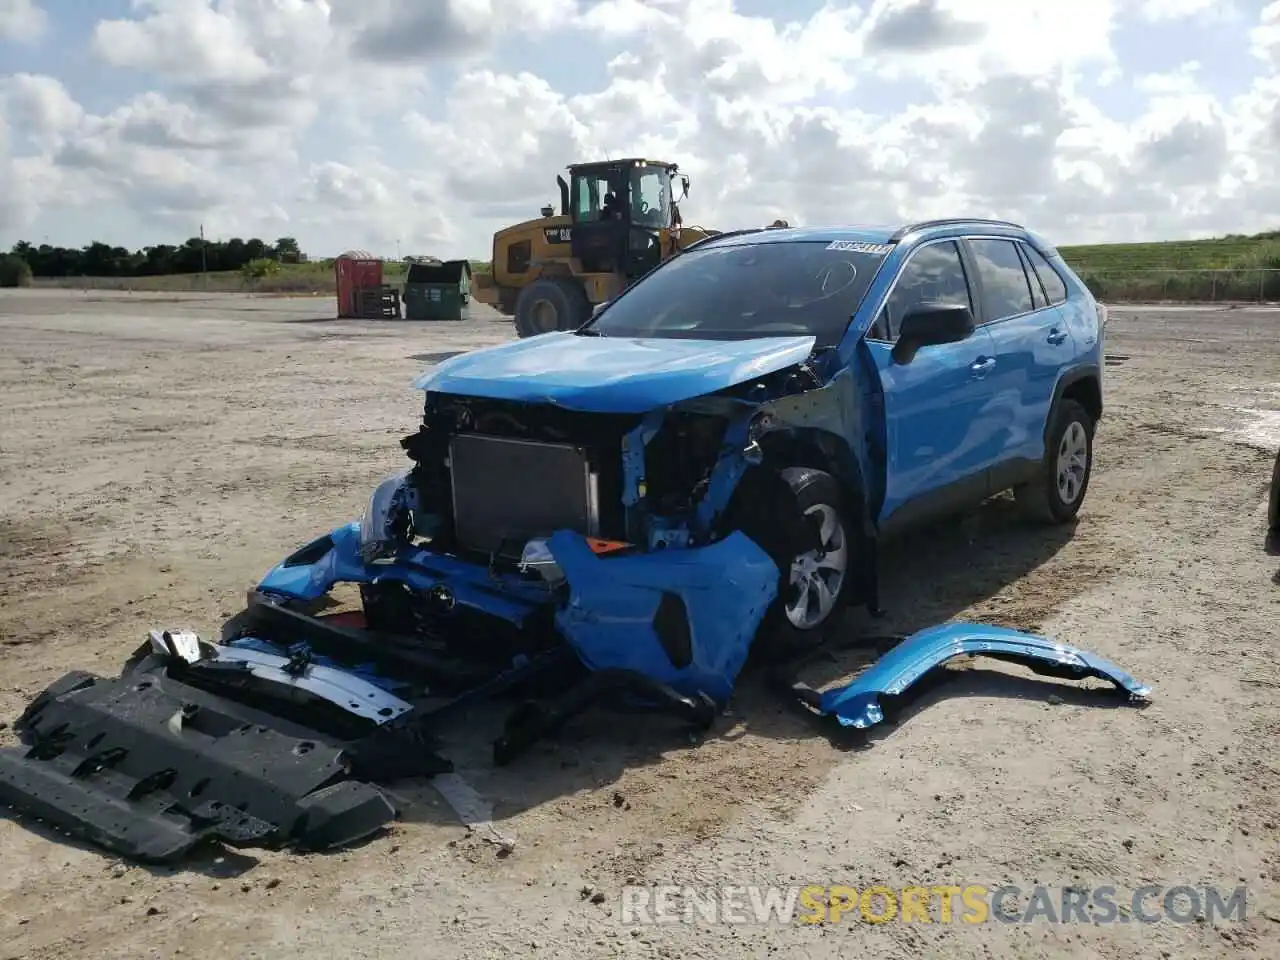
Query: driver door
{"x":939,"y":428}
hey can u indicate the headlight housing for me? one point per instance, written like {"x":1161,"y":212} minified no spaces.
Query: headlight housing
{"x":382,"y":521}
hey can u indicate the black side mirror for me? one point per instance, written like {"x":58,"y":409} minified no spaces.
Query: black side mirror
{"x":930,"y":324}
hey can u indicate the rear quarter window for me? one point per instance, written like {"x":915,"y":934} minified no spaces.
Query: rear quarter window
{"x":1054,"y":287}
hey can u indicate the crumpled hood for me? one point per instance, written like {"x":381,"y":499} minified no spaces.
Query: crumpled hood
{"x":611,"y":374}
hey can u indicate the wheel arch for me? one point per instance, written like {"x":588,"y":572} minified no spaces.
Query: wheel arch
{"x":571,"y":293}
{"x":1082,"y":384}
{"x":820,"y":450}
{"x":766,"y":506}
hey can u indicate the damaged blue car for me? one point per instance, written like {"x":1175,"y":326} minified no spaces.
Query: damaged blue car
{"x":704,"y":470}
{"x":629,"y":512}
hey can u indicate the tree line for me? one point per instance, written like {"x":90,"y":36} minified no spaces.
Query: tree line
{"x":196,"y":255}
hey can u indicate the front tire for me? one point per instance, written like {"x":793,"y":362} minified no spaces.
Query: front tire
{"x":1056,"y":495}
{"x":551,"y":304}
{"x":814,"y":584}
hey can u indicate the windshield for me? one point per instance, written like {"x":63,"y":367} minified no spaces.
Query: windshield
{"x":649,"y":187}
{"x":741,"y":291}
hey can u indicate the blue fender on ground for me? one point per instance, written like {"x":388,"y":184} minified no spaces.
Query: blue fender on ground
{"x":857,"y":703}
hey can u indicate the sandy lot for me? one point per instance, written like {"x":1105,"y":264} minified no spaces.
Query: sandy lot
{"x":159,"y":453}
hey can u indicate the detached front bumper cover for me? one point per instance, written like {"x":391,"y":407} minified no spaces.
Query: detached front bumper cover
{"x":684,"y":617}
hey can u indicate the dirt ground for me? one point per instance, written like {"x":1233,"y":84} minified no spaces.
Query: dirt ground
{"x":159,"y":453}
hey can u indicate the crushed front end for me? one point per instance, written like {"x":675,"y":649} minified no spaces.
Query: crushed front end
{"x":524,"y":530}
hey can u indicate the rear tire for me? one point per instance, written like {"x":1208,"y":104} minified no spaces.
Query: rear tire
{"x":1055,"y":496}
{"x":550,"y":304}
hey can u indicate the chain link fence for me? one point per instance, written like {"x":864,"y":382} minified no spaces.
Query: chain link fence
{"x":1184,"y":286}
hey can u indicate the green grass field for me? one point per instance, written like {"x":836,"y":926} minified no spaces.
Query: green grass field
{"x":1224,"y":268}
{"x":1224,"y":253}
{"x":1219,"y":269}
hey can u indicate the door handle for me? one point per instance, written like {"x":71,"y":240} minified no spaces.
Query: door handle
{"x":1056,"y":337}
{"x":982,"y":365}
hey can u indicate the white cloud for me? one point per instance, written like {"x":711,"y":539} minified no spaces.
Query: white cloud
{"x":360,"y":123}
{"x":1163,"y":10}
{"x":22,"y":21}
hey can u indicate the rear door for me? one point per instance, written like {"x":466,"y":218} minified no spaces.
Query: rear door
{"x":936,"y":418}
{"x":1031,"y":342}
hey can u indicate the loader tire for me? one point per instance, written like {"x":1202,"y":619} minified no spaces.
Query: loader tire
{"x":550,"y":304}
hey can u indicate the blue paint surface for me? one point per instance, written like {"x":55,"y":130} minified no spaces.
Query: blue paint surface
{"x":608,"y":619}
{"x":726,"y":588}
{"x":507,"y":597}
{"x":610,"y":374}
{"x":857,"y":703}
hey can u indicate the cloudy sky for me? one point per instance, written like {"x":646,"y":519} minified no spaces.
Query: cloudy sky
{"x":429,"y":123}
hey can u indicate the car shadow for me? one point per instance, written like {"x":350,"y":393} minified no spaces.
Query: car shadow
{"x":928,"y":577}
{"x":207,"y":859}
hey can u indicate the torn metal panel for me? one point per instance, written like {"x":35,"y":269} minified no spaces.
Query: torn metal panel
{"x":684,"y":617}
{"x":857,"y":703}
{"x":294,"y":673}
{"x":148,"y":767}
{"x":740,"y":452}
{"x":634,"y":488}
{"x":339,"y":687}
{"x":503,"y":596}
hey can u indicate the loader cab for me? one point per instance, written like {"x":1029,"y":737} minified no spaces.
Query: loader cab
{"x":622,"y":211}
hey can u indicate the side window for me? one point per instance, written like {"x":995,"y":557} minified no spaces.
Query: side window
{"x":933,"y":274}
{"x":1037,"y":291}
{"x":590,"y":193}
{"x":1053,"y":284}
{"x":1006,"y":291}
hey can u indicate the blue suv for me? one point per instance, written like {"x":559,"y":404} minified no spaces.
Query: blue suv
{"x":708,"y":464}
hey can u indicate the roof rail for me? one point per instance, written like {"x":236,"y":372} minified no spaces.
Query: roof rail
{"x":950,"y":221}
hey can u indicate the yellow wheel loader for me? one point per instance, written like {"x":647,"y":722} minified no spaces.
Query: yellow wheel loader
{"x":618,"y":220}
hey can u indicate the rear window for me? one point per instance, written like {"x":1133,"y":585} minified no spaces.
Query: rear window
{"x":742,"y":291}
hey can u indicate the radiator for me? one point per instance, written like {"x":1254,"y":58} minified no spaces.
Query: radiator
{"x":506,"y":492}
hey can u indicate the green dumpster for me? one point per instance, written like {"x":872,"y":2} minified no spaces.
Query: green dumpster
{"x":437,"y":291}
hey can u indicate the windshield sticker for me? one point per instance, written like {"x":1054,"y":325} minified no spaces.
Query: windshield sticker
{"x":858,"y":246}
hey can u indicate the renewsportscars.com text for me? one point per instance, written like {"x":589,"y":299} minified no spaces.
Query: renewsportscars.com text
{"x":935,"y":903}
